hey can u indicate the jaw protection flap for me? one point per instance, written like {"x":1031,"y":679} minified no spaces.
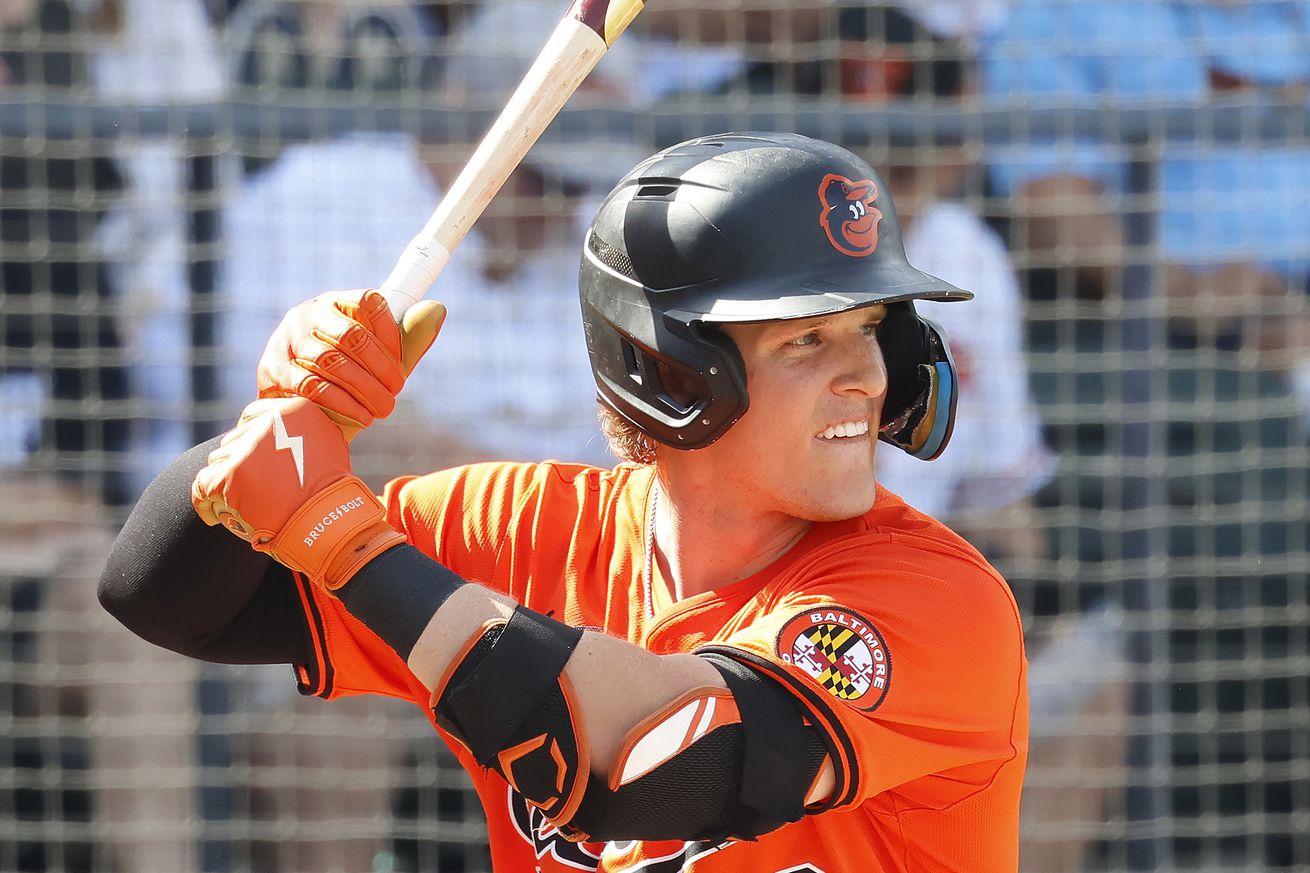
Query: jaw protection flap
{"x":923,"y":386}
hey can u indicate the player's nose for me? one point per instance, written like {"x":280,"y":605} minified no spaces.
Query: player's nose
{"x":860,"y":369}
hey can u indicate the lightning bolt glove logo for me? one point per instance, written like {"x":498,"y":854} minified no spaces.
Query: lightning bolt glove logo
{"x":295,"y":445}
{"x":841,"y":651}
{"x":849,"y":217}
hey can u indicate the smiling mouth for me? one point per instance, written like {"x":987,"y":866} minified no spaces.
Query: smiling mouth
{"x":845,"y":430}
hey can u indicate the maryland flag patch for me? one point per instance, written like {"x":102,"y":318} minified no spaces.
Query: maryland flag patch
{"x":841,"y":651}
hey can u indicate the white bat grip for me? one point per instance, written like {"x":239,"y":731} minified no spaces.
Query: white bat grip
{"x":415,"y":272}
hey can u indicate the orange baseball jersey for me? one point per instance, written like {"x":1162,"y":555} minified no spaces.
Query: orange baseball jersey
{"x":903,"y":645}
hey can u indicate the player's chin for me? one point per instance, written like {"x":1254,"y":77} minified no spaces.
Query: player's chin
{"x":838,"y":482}
{"x":838,"y":499}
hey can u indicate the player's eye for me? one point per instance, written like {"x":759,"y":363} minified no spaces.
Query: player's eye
{"x":805,"y":339}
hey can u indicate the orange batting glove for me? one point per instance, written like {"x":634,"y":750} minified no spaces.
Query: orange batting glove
{"x":344,"y":351}
{"x":281,"y":480}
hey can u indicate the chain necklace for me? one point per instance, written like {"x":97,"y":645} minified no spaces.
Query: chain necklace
{"x":648,"y":571}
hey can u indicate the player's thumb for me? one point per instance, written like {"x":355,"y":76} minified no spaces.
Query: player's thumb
{"x":418,"y":330}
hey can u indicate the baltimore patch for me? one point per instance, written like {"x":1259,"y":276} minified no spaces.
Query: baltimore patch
{"x":841,"y":651}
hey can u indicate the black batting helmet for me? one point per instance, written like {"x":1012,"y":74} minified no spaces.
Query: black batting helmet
{"x":747,"y":227}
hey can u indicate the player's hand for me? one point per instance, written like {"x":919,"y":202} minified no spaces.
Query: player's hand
{"x":281,"y":480}
{"x":345,"y":352}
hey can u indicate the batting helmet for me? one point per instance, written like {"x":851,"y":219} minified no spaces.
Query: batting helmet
{"x":748,"y":227}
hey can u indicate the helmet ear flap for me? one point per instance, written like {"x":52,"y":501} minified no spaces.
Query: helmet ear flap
{"x":669,"y":387}
{"x":682,"y":385}
{"x":918,"y":413}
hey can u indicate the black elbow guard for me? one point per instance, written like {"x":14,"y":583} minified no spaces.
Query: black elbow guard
{"x":505,"y":697}
{"x":713,"y":764}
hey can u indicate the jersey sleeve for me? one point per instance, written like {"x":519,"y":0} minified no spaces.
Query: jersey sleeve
{"x":914,"y":668}
{"x":348,"y":658}
{"x":463,"y":516}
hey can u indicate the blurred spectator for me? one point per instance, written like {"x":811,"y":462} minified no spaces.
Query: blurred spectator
{"x":1232,"y":216}
{"x":154,"y":52}
{"x":502,"y":381}
{"x":983,"y":484}
{"x":301,"y":52}
{"x":812,"y":47}
{"x":1214,"y":540}
{"x":964,"y":20}
{"x":497,"y":40}
{"x":64,"y":465}
{"x":59,"y":337}
{"x":281,"y":49}
{"x":827,"y":48}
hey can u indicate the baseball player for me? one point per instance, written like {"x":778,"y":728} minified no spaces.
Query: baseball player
{"x":734,"y":651}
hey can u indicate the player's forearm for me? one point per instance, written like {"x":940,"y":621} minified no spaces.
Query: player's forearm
{"x":618,"y":684}
{"x":424,"y":612}
{"x":608,"y":740}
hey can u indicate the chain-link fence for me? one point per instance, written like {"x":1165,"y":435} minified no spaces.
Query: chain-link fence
{"x":1125,"y":185}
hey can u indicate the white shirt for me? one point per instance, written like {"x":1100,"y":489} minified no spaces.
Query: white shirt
{"x":996,"y":455}
{"x":509,"y":373}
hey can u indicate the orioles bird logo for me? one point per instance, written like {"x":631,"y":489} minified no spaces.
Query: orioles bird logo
{"x":849,"y":217}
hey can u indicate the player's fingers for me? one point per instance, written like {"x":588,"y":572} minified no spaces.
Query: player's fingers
{"x":356,"y":341}
{"x":336,"y":401}
{"x":239,"y":430}
{"x":333,"y":365}
{"x":203,"y":494}
{"x":418,"y":331}
{"x":295,"y":374}
{"x":205,"y":510}
{"x":370,"y":310}
{"x":374,"y":312}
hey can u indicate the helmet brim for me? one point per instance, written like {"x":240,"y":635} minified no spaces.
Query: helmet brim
{"x":812,"y":296}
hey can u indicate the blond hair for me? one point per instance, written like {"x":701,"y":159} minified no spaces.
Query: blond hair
{"x":626,"y":441}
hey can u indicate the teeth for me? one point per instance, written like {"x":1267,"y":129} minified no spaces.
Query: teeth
{"x":846,"y":429}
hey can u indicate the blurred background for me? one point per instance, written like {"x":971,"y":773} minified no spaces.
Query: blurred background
{"x":1124,"y":184}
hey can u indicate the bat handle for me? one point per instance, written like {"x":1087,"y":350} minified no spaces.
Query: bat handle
{"x":416,"y":270}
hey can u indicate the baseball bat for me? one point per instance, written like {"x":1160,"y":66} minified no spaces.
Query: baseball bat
{"x":579,"y":41}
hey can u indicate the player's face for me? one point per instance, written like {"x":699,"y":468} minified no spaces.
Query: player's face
{"x":806,"y":444}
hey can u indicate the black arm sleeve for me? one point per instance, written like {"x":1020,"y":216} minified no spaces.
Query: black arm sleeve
{"x":397,"y":593}
{"x":199,"y":590}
